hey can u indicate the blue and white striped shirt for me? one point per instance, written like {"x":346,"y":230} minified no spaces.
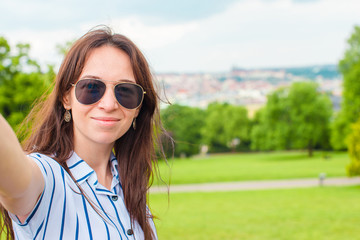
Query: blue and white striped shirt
{"x":63,"y":213}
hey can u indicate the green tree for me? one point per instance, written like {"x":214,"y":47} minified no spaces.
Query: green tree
{"x":63,"y":49}
{"x":258,"y":132}
{"x":272,"y":131}
{"x":184,"y":123}
{"x":310,"y":113}
{"x":353,"y":142}
{"x":21,"y":81}
{"x":213,"y":131}
{"x":349,"y":67}
{"x":226,"y":127}
{"x":293,"y":118}
{"x":237,"y":129}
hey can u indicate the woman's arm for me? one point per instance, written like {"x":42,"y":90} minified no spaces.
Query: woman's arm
{"x":21,"y":181}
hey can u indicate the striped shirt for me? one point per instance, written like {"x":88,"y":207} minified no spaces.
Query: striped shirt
{"x":63,"y":213}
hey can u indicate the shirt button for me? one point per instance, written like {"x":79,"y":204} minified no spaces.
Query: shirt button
{"x":114,"y":198}
{"x":130,"y":232}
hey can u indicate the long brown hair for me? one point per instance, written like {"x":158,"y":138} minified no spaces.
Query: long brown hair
{"x":135,"y":150}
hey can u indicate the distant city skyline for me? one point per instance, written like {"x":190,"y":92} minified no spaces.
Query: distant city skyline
{"x":193,"y":36}
{"x":248,"y":88}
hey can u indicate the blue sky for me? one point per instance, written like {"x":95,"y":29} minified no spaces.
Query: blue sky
{"x":192,"y":35}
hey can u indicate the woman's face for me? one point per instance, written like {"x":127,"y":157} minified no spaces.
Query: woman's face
{"x":105,"y":121}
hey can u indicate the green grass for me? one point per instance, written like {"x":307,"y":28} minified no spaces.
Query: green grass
{"x":330,"y":213}
{"x":254,"y":166}
{"x":323,"y":213}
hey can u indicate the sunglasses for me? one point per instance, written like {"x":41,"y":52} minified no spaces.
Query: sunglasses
{"x":90,"y":91}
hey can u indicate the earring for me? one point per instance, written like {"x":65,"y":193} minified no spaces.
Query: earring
{"x":134,"y":124}
{"x":67,"y":116}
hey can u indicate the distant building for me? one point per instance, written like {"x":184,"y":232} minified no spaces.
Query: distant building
{"x":246,"y":87}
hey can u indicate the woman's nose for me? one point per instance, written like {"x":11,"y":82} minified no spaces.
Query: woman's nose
{"x":108,"y":102}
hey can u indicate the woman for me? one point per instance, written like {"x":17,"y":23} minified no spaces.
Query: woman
{"x":90,"y":151}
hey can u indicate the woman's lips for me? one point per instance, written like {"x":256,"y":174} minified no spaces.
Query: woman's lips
{"x":107,"y":121}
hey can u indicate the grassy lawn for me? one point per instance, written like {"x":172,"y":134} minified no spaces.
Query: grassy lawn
{"x":324,"y":213}
{"x":329,"y":213}
{"x":254,"y":166}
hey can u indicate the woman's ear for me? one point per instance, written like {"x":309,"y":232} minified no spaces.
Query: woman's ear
{"x":137,"y":111}
{"x":66,"y":101}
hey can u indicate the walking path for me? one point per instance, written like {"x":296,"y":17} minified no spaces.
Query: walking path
{"x":258,"y":185}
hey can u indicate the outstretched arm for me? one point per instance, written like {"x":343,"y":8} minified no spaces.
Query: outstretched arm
{"x":21,"y":181}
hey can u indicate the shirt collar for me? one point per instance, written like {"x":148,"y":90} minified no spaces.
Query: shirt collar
{"x":81,"y":171}
{"x":114,"y":164}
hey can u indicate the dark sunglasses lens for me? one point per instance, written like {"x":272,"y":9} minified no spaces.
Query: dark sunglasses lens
{"x":129,"y":95}
{"x":89,"y":91}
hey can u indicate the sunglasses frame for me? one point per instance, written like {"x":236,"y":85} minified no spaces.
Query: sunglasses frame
{"x":132,"y":83}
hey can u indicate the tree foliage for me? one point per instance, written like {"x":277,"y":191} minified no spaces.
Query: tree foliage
{"x":293,"y":118}
{"x":184,"y":123}
{"x":310,"y":115}
{"x":237,"y":128}
{"x":21,"y":81}
{"x":226,"y":127}
{"x":349,"y":67}
{"x":222,"y":127}
{"x":353,"y":142}
{"x":63,"y":49}
{"x":272,"y":130}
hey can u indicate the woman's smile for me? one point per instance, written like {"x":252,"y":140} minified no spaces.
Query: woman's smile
{"x":106,"y":121}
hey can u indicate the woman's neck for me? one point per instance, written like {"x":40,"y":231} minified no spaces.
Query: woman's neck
{"x":97,"y":157}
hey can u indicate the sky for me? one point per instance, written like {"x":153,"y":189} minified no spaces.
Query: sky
{"x":192,"y":35}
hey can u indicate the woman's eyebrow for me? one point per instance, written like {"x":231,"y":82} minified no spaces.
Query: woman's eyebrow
{"x":125,"y":80}
{"x":90,"y":76}
{"x":99,"y":78}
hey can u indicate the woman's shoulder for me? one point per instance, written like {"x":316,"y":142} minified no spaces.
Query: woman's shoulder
{"x":41,"y":157}
{"x":45,"y":162}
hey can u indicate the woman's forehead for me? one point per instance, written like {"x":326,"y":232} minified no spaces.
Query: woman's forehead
{"x":108,"y":63}
{"x":106,"y":80}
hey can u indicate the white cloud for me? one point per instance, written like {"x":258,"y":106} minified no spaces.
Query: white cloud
{"x":43,"y":43}
{"x":249,"y":33}
{"x":254,"y":33}
{"x":149,"y":36}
